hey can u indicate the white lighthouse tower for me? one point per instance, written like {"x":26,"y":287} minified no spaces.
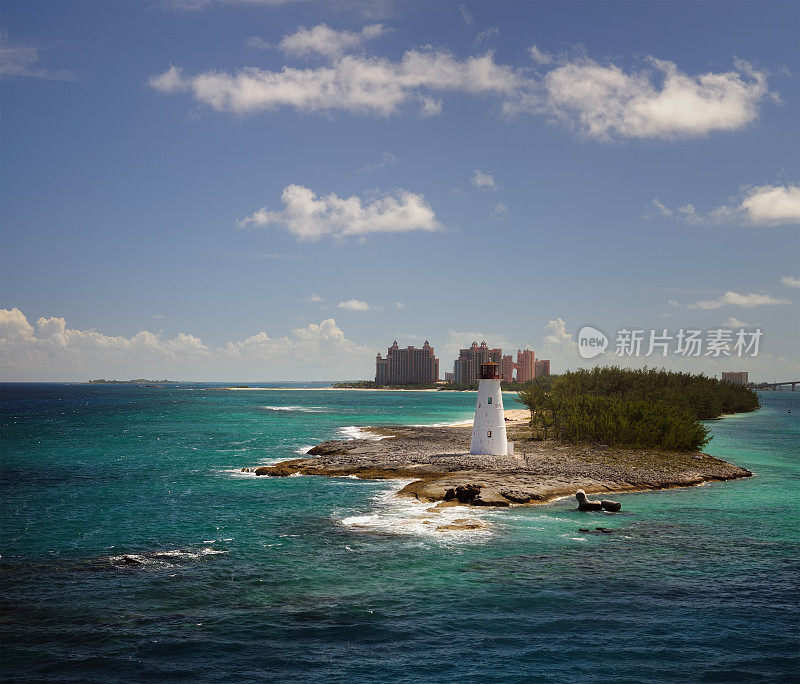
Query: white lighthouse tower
{"x":489,"y":426}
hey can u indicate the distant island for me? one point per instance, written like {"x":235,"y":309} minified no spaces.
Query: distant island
{"x":138,"y":381}
{"x":601,"y":430}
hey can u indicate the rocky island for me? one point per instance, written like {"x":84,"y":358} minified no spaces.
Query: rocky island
{"x":438,"y":461}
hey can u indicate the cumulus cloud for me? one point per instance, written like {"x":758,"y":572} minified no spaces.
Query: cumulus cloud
{"x":733,"y":322}
{"x":49,"y":342}
{"x":557,"y":337}
{"x":401,"y":307}
{"x":310,"y":217}
{"x":328,"y":42}
{"x":357,"y":84}
{"x":313,"y":298}
{"x":317,"y":343}
{"x":25,"y":61}
{"x":539,"y":56}
{"x":462,"y":339}
{"x":483,"y":181}
{"x":355,"y":305}
{"x":763,"y":205}
{"x":50,"y":350}
{"x":603,"y":101}
{"x":790,"y":281}
{"x":466,"y":17}
{"x":731,"y":298}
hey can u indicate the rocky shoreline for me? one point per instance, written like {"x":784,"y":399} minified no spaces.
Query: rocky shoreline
{"x":437,"y":459}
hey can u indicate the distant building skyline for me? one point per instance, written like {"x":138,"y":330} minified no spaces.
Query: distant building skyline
{"x":735,"y":377}
{"x":407,"y":366}
{"x":417,"y":366}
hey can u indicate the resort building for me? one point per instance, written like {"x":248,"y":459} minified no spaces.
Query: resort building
{"x":541,"y":368}
{"x":407,"y":366}
{"x":467,"y":366}
{"x":735,"y":378}
{"x":525,"y":366}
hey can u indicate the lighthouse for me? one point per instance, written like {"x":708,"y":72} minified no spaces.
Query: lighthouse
{"x":489,"y":425}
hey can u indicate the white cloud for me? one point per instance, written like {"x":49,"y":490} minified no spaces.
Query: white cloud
{"x":606,"y":102}
{"x":313,"y":299}
{"x":401,"y":307}
{"x":351,"y":83}
{"x":462,"y":339}
{"x":486,"y":34}
{"x":356,"y":305}
{"x":673,"y":303}
{"x":188,"y":6}
{"x":316,"y":343}
{"x":310,"y":217}
{"x":465,"y":15}
{"x":790,"y":281}
{"x":499,"y":210}
{"x":601,"y":101}
{"x":258,"y":43}
{"x":558,"y":340}
{"x":660,"y":207}
{"x":50,"y":350}
{"x":733,"y":322}
{"x":328,"y":42}
{"x":736,"y":299}
{"x":24,"y":61}
{"x":50,"y":344}
{"x":764,"y":205}
{"x":483,"y":181}
{"x":387,"y":159}
{"x":539,"y":56}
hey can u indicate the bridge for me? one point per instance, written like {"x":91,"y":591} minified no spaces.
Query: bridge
{"x":775,"y":385}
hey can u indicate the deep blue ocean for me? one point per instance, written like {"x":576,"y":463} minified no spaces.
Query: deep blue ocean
{"x":134,"y":549}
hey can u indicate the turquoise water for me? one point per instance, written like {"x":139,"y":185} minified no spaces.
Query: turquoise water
{"x":236,"y":578}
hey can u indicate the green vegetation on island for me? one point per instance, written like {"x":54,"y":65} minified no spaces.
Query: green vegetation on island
{"x":646,"y":408}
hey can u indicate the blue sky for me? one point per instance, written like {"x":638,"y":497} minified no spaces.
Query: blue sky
{"x":278,"y":190}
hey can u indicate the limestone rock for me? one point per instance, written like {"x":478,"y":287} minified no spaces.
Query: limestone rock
{"x":584,"y":504}
{"x":516,"y":495}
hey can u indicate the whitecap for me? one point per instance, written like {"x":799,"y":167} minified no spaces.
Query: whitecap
{"x":401,"y":516}
{"x":356,"y":432}
{"x":298,"y":409}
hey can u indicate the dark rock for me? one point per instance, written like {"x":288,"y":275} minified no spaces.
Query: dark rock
{"x":466,"y":493}
{"x":272,"y":471}
{"x":450,"y":494}
{"x":130,"y":560}
{"x":584,"y":504}
{"x":603,"y":530}
{"x":612,"y":506}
